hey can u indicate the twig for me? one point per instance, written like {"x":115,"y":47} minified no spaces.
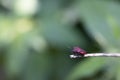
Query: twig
{"x":97,"y":55}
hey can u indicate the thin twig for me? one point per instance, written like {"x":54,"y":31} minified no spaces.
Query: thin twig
{"x":97,"y":55}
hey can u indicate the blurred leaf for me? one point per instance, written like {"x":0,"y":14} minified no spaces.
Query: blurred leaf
{"x":118,"y":70}
{"x":101,"y":21}
{"x":16,"y":56}
{"x":58,"y":33}
{"x":87,"y":68}
{"x":38,"y":67}
{"x":49,"y":7}
{"x":118,"y":75}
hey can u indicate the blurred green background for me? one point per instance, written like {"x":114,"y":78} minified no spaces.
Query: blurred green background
{"x":37,"y":37}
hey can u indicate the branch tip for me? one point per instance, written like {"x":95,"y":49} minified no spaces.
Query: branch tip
{"x":97,"y":55}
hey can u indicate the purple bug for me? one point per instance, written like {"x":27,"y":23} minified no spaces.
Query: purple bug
{"x":78,"y":51}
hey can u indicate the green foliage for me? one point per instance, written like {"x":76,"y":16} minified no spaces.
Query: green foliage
{"x":87,"y":68}
{"x":37,"y":36}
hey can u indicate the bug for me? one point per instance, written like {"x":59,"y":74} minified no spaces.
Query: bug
{"x":78,"y":51}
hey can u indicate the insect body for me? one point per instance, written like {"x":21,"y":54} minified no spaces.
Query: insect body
{"x":78,"y":51}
